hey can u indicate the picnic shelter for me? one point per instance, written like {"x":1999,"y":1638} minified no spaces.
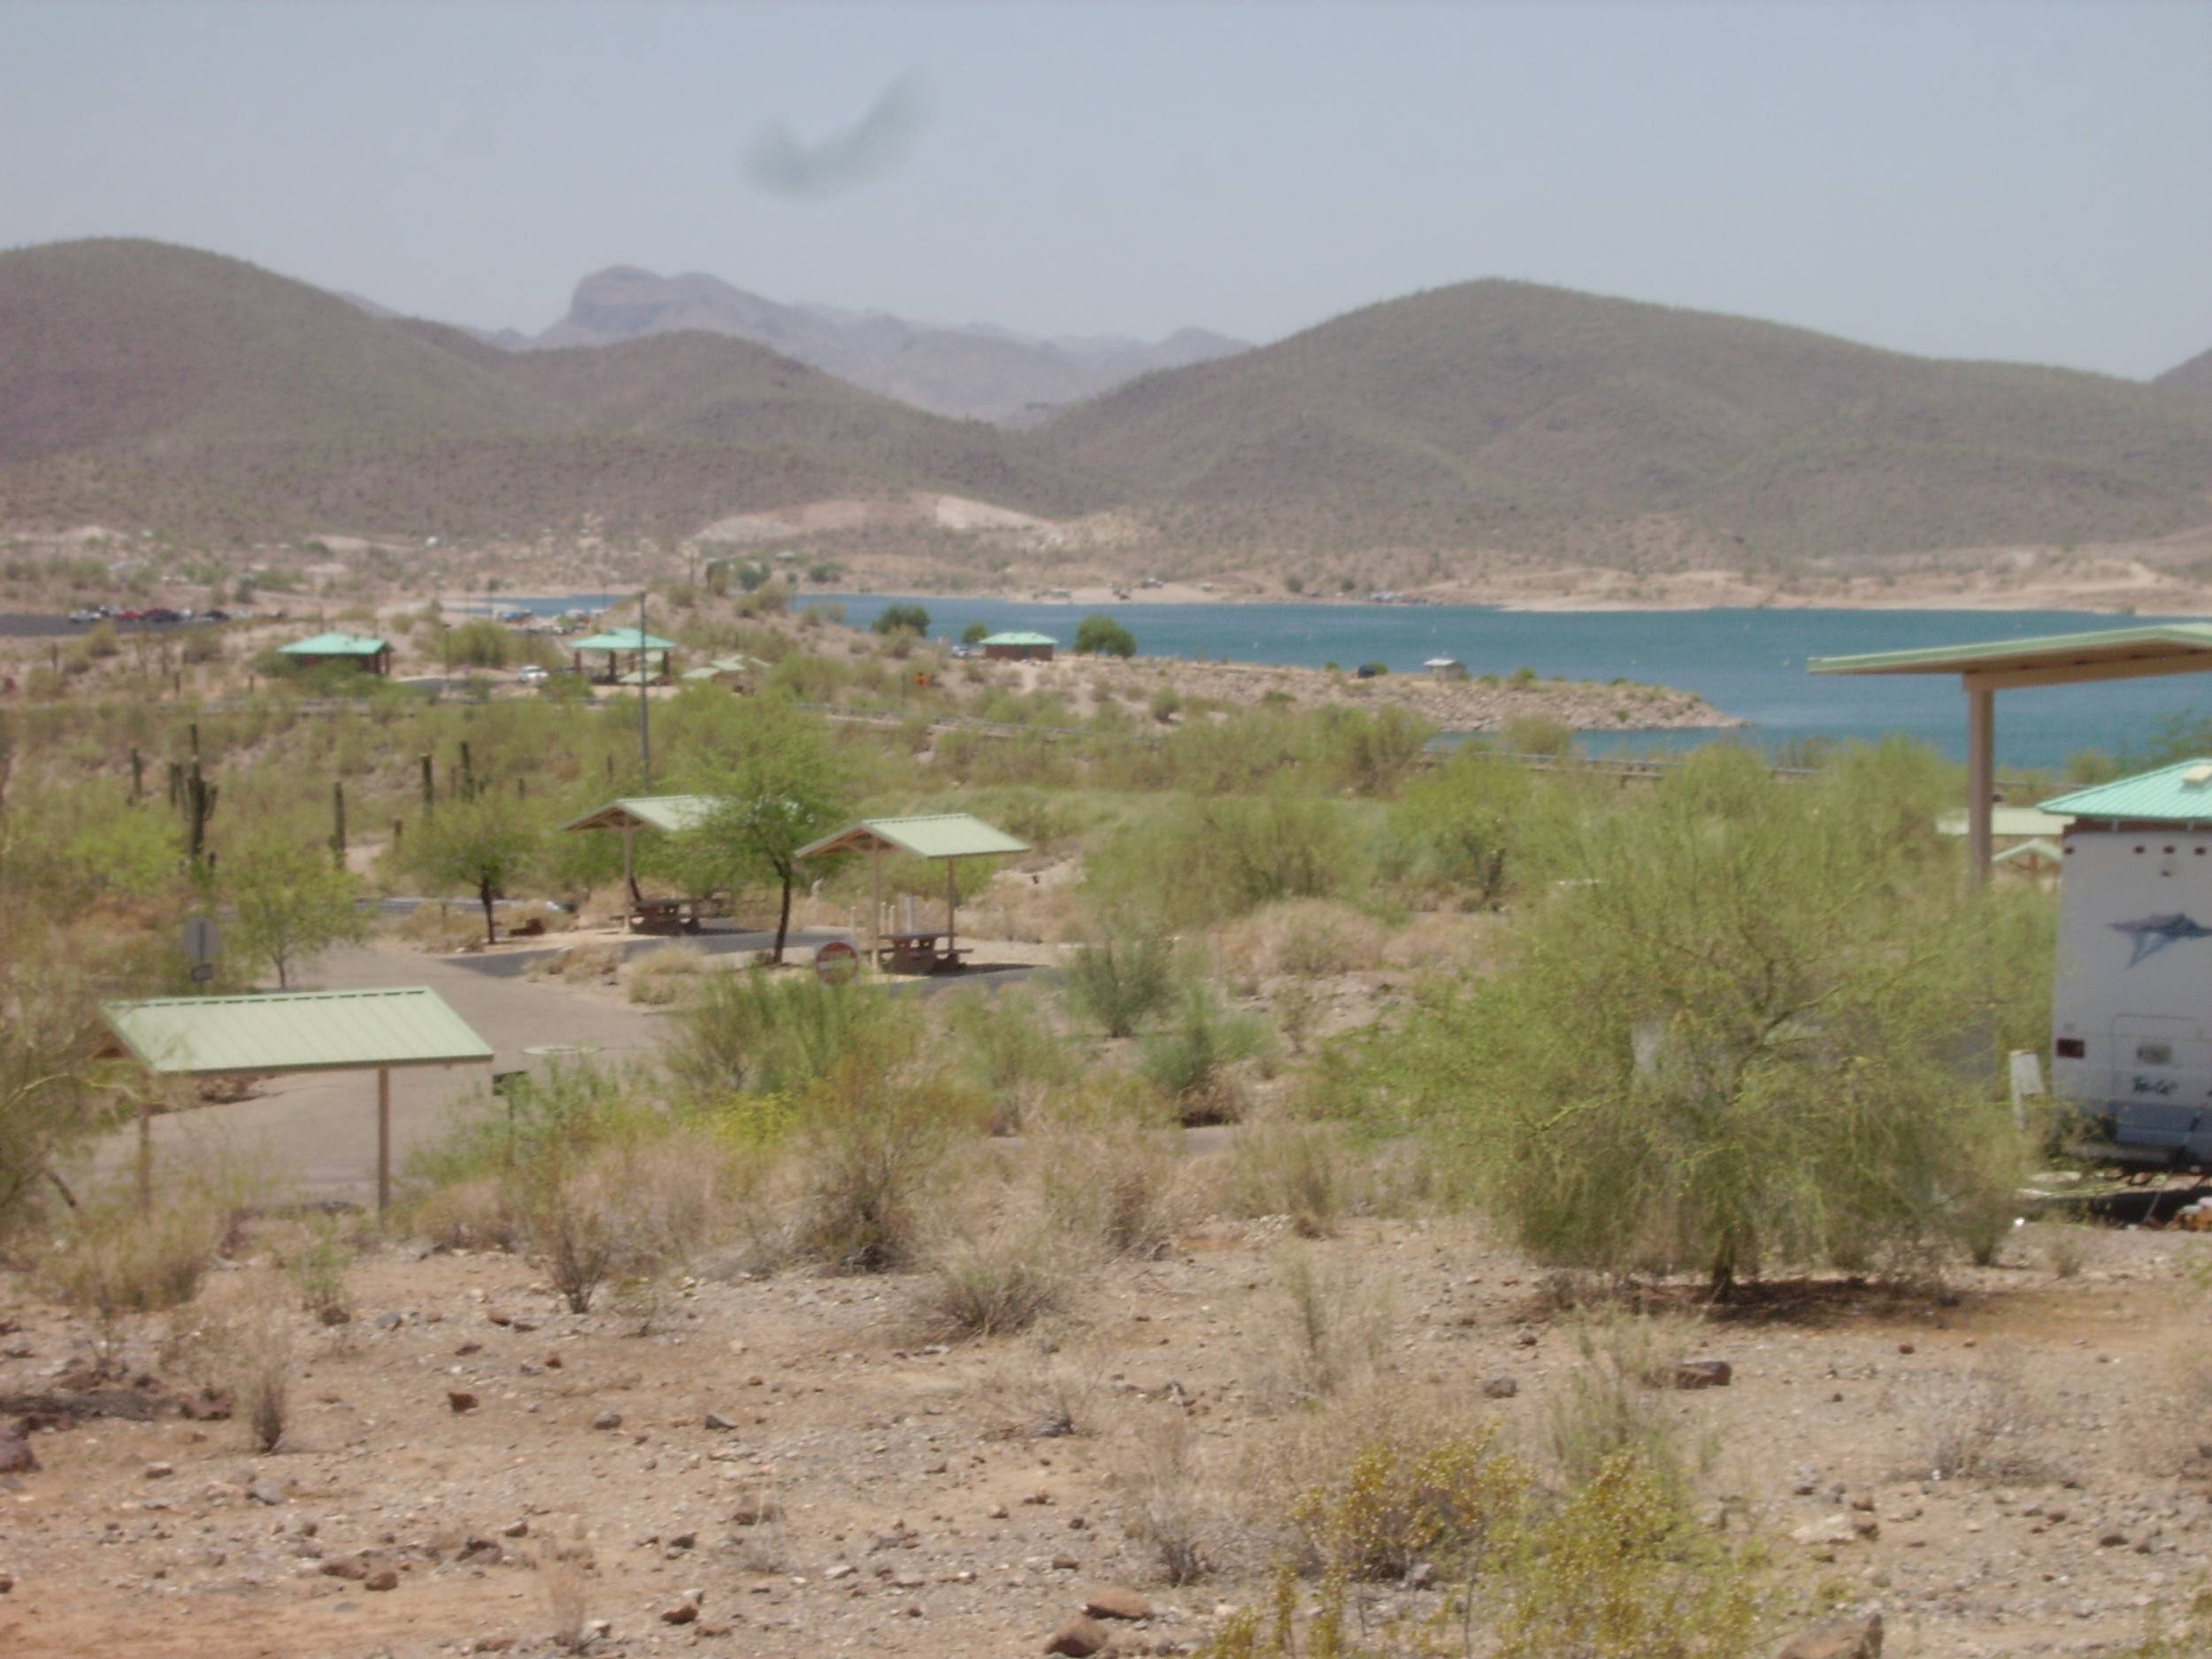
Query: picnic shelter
{"x":945,"y":837}
{"x":631,"y":654}
{"x":291,"y":1032}
{"x":2059,"y":659}
{"x":671,"y":815}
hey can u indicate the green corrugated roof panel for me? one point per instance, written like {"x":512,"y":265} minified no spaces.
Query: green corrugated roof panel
{"x":623,"y":640}
{"x":673,"y":813}
{"x":934,"y":835}
{"x":296,"y":1030}
{"x":336,"y":645}
{"x":2179,"y":794}
{"x":2165,"y":639}
{"x":1021,"y":639}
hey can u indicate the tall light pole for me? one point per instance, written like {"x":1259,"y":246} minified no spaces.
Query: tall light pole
{"x":644,"y":721}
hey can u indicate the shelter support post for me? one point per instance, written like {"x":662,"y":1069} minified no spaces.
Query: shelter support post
{"x":952,"y":905}
{"x":383,"y":1139}
{"x":875,"y":904}
{"x":145,"y":1153}
{"x":1981,"y":778}
{"x":629,"y":875}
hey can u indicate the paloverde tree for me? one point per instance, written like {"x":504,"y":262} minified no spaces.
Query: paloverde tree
{"x":288,"y":903}
{"x":782,"y":787}
{"x":1758,"y":1026}
{"x":485,"y":845}
{"x":1102,"y":636}
{"x":902,"y":618}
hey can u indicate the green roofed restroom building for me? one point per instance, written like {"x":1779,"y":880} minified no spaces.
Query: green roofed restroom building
{"x":1020,"y":648}
{"x":632,"y":654}
{"x":356,"y":650}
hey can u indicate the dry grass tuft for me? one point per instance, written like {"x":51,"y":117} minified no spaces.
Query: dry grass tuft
{"x":1277,"y":1165}
{"x":1305,"y":938}
{"x":661,"y":976}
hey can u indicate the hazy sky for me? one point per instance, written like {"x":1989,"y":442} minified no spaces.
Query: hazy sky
{"x":1974,"y":179}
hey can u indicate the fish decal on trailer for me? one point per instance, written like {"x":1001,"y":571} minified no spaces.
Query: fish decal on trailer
{"x":2151,"y":934}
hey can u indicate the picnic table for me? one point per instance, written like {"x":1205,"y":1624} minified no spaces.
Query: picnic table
{"x":675,"y":916}
{"x":917,"y":952}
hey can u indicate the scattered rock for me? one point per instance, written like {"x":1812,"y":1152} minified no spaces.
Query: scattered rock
{"x":160,"y":1471}
{"x":7,"y":1582}
{"x":680,"y":1613}
{"x":382,"y":1578}
{"x":515,"y":1529}
{"x":389,"y":1321}
{"x":16,"y":1457}
{"x":753,"y":1508}
{"x":1078,"y":1638}
{"x":607,"y":1420}
{"x":1846,"y":1639}
{"x":1500,"y":1388}
{"x":1115,"y":1601}
{"x":1704,"y":1373}
{"x":265,"y":1492}
{"x":460,"y":1400}
{"x":716,"y":1420}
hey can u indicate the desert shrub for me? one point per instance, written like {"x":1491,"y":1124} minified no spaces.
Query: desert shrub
{"x":1174,"y":1517}
{"x":1230,"y":854}
{"x":1753,"y":994}
{"x":1122,"y":974}
{"x":1467,"y":826}
{"x":1328,"y":1327}
{"x":1983,"y":1425}
{"x":1117,"y":1182}
{"x":437,"y":927}
{"x":115,"y":1257}
{"x":902,"y":618}
{"x":316,"y":1262}
{"x":1282,"y":1166}
{"x":1396,"y":1505}
{"x":874,"y":1129}
{"x":1102,"y":636}
{"x":1311,"y":937}
{"x":1007,"y":1046}
{"x":1165,"y":703}
{"x":1616,"y":1400}
{"x":1190,"y":1061}
{"x":662,"y":975}
{"x":1541,"y":734}
{"x":998,"y":1278}
{"x":759,"y":1032}
{"x":1621,"y":1570}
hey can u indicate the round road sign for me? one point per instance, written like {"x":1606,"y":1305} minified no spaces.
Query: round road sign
{"x":836,"y":963}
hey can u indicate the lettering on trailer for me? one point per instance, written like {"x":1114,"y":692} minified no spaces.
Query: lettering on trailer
{"x":2151,"y":934}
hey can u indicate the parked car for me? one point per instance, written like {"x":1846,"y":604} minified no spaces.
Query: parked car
{"x":84,"y":618}
{"x":214,"y":616}
{"x":530,"y":674}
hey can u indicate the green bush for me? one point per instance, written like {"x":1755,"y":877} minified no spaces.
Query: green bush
{"x":902,"y":618}
{"x":1122,"y":975}
{"x":762,"y":1034}
{"x":1189,"y":1061}
{"x":1757,"y":996}
{"x":1102,"y":636}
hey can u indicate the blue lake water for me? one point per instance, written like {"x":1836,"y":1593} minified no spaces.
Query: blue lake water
{"x":1749,"y":663}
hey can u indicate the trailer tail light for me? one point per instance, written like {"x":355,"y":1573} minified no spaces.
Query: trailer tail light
{"x":2071,"y":1048}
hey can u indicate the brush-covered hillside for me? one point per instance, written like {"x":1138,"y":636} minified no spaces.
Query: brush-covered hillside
{"x":152,"y":385}
{"x":1544,"y":422}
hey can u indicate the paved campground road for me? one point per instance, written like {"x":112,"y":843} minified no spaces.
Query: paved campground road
{"x":314,"y":1135}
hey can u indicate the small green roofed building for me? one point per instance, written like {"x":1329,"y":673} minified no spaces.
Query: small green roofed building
{"x":628,"y":652}
{"x":1020,"y":648}
{"x":2177,"y":795}
{"x":739,"y":672}
{"x":355,"y":650}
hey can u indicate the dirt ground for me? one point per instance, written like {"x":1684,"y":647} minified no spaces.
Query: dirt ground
{"x":797,"y":1470}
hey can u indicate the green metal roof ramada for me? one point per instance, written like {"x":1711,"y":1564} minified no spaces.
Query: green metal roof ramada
{"x":294,"y":1031}
{"x":2158,"y":639}
{"x":935,"y":836}
{"x":2179,"y":794}
{"x":336,"y":645}
{"x":1019,"y":638}
{"x":624,"y":640}
{"x":673,"y":813}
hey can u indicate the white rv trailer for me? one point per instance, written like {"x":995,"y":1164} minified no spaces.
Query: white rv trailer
{"x":2131,"y":997}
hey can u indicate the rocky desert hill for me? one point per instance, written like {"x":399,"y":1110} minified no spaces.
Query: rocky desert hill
{"x":977,"y":373}
{"x":147,"y":384}
{"x":1544,"y":422}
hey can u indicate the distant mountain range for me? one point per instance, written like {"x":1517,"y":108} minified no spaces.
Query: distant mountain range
{"x":980,"y":372}
{"x":2193,"y":376}
{"x":143,"y":384}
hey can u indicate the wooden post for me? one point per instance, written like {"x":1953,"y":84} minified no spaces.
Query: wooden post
{"x":338,"y":824}
{"x":145,"y":1154}
{"x":1981,"y":779}
{"x":383,"y":1139}
{"x":952,"y":909}
{"x":629,"y":875}
{"x":138,"y":777}
{"x":429,"y":788}
{"x":875,"y":904}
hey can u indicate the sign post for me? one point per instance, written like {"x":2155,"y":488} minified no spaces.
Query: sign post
{"x":203,"y":943}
